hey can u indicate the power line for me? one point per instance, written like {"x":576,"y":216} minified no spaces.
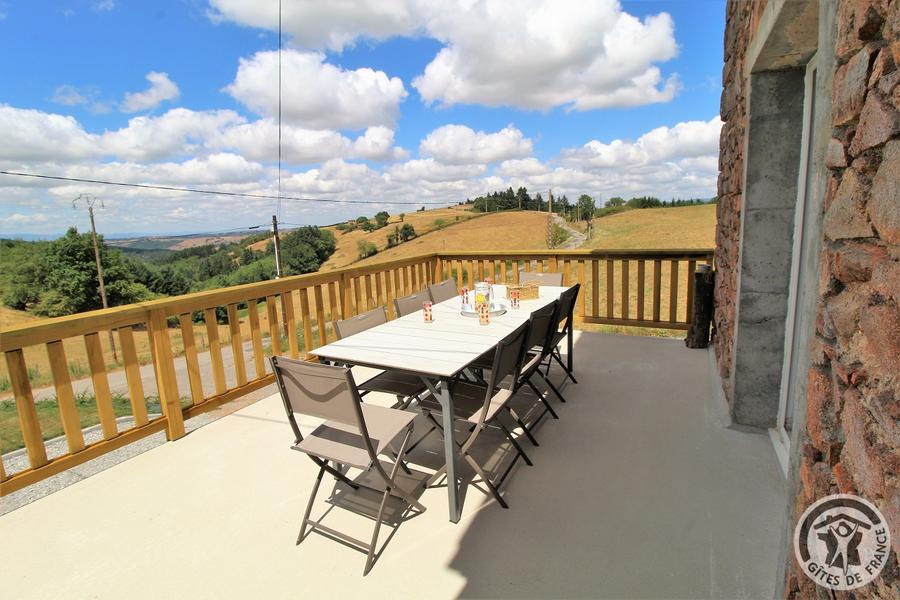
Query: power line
{"x":169,"y":188}
{"x":278,"y":202}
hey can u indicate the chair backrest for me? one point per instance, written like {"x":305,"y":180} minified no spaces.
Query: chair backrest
{"x":508,"y":356}
{"x":443,"y":290}
{"x":541,"y":328}
{"x":410,"y":304}
{"x":541,"y":278}
{"x":360,"y":322}
{"x":318,"y":390}
{"x":566,"y":308}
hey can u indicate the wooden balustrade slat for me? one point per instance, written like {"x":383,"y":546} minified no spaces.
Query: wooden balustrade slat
{"x":457,"y":266}
{"x":166,"y":383}
{"x":307,"y":323}
{"x":2,"y":472}
{"x":692,"y":267}
{"x":274,"y":333}
{"x":527,"y":265}
{"x":626,"y":290}
{"x":65,"y":398}
{"x":333,"y":302}
{"x":256,"y":339}
{"x":610,"y":271}
{"x":25,"y":409}
{"x":379,"y":289}
{"x":515,"y":272}
{"x":673,"y":291}
{"x":368,"y":304}
{"x":190,"y":358}
{"x":358,"y":292}
{"x":237,"y":345}
{"x":215,"y":350}
{"x":640,"y":289}
{"x":345,"y":297}
{"x":290,"y":320}
{"x":133,"y":376}
{"x":582,"y":294}
{"x":320,"y":315}
{"x":413,"y":279}
{"x":470,"y":271}
{"x":99,"y":379}
{"x":554,"y":264}
{"x":595,"y":288}
{"x":657,"y":288}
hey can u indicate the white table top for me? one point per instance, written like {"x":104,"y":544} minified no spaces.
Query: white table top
{"x":441,"y":348}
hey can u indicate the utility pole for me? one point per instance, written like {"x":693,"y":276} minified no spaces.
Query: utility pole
{"x":278,"y":271}
{"x":550,"y":218}
{"x":90,"y":200}
{"x":276,"y":240}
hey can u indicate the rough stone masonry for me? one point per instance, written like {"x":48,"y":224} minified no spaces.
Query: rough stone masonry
{"x":851,"y":442}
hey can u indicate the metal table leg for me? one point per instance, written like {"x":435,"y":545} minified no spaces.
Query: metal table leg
{"x":450,"y":451}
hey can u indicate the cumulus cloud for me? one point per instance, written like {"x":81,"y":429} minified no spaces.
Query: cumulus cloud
{"x":522,"y":167}
{"x":161,"y":89}
{"x":331,"y":25}
{"x":430,"y":170}
{"x":315,"y":94}
{"x":460,"y":145}
{"x":377,"y":144}
{"x":533,"y":54}
{"x":33,"y":135}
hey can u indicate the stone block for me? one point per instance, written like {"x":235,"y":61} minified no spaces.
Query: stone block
{"x":853,"y":262}
{"x":845,"y":217}
{"x":884,"y":199}
{"x":878,"y":122}
{"x":834,"y":155}
{"x":879,"y":350}
{"x":860,"y":453}
{"x":844,"y":312}
{"x":821,"y":411}
{"x":849,"y":88}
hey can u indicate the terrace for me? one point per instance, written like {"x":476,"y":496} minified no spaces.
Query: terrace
{"x":642,"y":488}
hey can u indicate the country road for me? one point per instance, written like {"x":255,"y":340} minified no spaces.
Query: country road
{"x":576,"y":238}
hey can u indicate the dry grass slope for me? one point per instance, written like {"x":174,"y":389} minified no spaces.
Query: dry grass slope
{"x":686,"y":228}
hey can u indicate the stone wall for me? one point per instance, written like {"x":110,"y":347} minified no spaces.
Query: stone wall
{"x":852,"y":438}
{"x":742,"y":19}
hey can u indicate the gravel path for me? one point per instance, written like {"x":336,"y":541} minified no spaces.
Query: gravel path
{"x":576,"y":238}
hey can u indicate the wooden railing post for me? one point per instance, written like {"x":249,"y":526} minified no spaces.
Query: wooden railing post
{"x":166,"y":385}
{"x":346,"y":293}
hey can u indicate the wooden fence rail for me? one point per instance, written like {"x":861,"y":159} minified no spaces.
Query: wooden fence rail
{"x":165,"y":337}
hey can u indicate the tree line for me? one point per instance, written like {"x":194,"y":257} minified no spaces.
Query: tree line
{"x":60,"y":277}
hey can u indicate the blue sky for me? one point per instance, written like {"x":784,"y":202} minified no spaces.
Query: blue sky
{"x":383,"y":102}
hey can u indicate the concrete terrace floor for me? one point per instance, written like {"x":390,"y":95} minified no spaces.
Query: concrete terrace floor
{"x":640,"y":490}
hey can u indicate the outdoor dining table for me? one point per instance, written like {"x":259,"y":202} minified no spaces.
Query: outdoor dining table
{"x":438,"y":352}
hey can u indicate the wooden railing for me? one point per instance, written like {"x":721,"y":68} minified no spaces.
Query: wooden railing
{"x":644,"y":289}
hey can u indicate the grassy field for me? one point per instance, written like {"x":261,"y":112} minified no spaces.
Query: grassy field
{"x":684,"y":227}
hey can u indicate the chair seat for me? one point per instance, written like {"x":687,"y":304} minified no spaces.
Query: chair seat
{"x":393,"y":382}
{"x":468,"y":401}
{"x":343,"y":443}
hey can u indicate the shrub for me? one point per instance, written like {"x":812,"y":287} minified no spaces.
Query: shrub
{"x":366,"y":249}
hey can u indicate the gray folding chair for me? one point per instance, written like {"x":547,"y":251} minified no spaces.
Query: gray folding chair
{"x":443,"y":290}
{"x":541,"y":328}
{"x":563,"y":330}
{"x":410,"y":304}
{"x":478,"y":404}
{"x":353,"y":434}
{"x":541,"y":278}
{"x":406,"y":386}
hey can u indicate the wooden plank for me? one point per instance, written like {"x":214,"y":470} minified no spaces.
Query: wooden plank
{"x":636,"y":323}
{"x":274,"y":333}
{"x":640,"y":289}
{"x":414,"y":279}
{"x":237,"y":345}
{"x":567,"y":273}
{"x":290,"y":318}
{"x":133,"y":377}
{"x":357,"y":295}
{"x":215,"y":349}
{"x":390,"y":278}
{"x":515,"y":272}
{"x":370,"y":300}
{"x":554,"y":264}
{"x":100,"y":381}
{"x":25,"y":409}
{"x":527,"y":265}
{"x":595,"y":288}
{"x":31,"y":476}
{"x":626,"y":290}
{"x":673,"y":291}
{"x":2,"y":476}
{"x":65,"y":398}
{"x":321,"y":323}
{"x":345,"y":297}
{"x":259,"y":356}
{"x":190,"y":358}
{"x":657,"y":289}
{"x":610,"y":272}
{"x":692,"y":267}
{"x":582,"y":294}
{"x":166,"y":383}
{"x":307,"y":321}
{"x":457,"y":266}
{"x":335,"y":313}
{"x":379,"y":289}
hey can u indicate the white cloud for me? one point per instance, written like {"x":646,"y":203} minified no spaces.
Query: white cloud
{"x":432,"y":171}
{"x":68,"y":95}
{"x":377,"y":144}
{"x":318,"y":24}
{"x":104,"y":5}
{"x":315,"y":94}
{"x":540,"y":54}
{"x":522,"y":167}
{"x":32,"y":135}
{"x":460,"y":145}
{"x":21,"y":219}
{"x":161,"y":89}
{"x":533,"y":54}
